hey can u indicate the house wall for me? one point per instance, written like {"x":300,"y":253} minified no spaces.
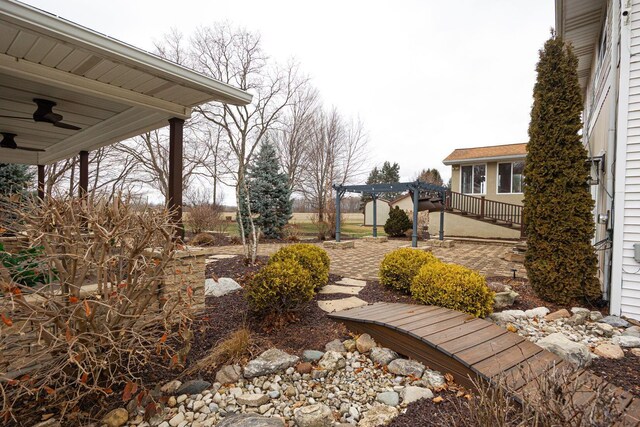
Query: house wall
{"x":460,"y":226}
{"x":382,"y":212}
{"x":491,"y":183}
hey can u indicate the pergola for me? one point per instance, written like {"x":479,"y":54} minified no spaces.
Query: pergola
{"x":110,"y":90}
{"x":418,"y":204}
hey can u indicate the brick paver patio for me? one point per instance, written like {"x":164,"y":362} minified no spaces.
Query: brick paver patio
{"x":363,"y":261}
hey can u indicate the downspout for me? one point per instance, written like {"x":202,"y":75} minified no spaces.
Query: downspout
{"x":611,"y":143}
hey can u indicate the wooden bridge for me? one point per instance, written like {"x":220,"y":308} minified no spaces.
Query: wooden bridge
{"x":473,"y":349}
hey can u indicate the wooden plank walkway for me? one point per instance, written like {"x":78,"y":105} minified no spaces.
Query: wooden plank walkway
{"x":473,"y":349}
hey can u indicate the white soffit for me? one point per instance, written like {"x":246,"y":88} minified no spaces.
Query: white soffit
{"x":111,"y":90}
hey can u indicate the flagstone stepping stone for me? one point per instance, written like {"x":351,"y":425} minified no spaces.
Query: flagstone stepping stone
{"x":334,"y":289}
{"x":341,"y":304}
{"x":345,"y":281}
{"x":223,"y":286}
{"x":223,"y":256}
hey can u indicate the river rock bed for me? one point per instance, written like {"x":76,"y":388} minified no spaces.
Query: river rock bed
{"x":351,"y":382}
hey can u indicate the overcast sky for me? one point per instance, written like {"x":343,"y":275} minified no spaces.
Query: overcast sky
{"x":425,"y":76}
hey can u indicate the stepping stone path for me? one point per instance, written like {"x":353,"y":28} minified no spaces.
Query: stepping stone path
{"x":344,"y":286}
{"x":214,"y":258}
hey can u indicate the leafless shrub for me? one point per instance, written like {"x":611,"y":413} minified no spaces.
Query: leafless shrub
{"x":238,"y":345}
{"x":204,"y":217}
{"x":203,"y":239}
{"x":321,"y":225}
{"x":291,"y":232}
{"x":69,"y":340}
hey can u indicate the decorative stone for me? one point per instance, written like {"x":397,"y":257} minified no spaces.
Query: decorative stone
{"x":604,"y":328}
{"x":412,"y":393}
{"x":177,"y":419}
{"x":574,"y":352}
{"x":250,"y":420}
{"x":335,"y":345}
{"x":626,"y":341}
{"x":556,"y":315}
{"x":193,"y":387}
{"x":171,"y":387}
{"x":223,"y":286}
{"x":318,"y":415}
{"x":579,"y":318}
{"x":330,"y":306}
{"x":609,"y":351}
{"x":364,"y":343}
{"x":350,"y":345}
{"x":116,"y":418}
{"x":332,"y":361}
{"x":390,"y":398}
{"x":538,"y":312}
{"x":406,"y":367}
{"x":615,"y":321}
{"x":229,"y":374}
{"x":304,"y":367}
{"x":311,"y":355}
{"x":595,"y":316}
{"x":378,"y":416}
{"x":632,"y":331}
{"x":382,"y":355}
{"x":269,"y":362}
{"x":576,"y":310}
{"x":504,"y":299}
{"x":635,"y":352}
{"x":252,"y":399}
{"x":345,"y":244}
{"x":433,"y":379}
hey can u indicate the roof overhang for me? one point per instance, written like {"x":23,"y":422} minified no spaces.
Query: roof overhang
{"x":579,"y":22}
{"x":484,"y":159}
{"x":111,"y":90}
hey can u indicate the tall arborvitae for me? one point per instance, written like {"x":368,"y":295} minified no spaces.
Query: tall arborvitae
{"x":560,"y":260}
{"x":269,"y":193}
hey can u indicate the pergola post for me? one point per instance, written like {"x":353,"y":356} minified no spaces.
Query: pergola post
{"x":83,"y":184}
{"x":174,"y":199}
{"x":41,"y":182}
{"x":414,"y":235}
{"x":338,"y":196}
{"x":374,"y":197}
{"x":443,"y":196}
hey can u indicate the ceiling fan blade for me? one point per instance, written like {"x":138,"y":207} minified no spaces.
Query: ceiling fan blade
{"x":65,"y":126}
{"x":30,"y":149}
{"x":49,"y":117}
{"x":15,"y":117}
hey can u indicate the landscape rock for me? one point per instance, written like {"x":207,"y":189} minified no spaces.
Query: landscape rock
{"x":574,"y":352}
{"x":364,"y":343}
{"x":229,"y":374}
{"x":177,"y":419}
{"x":223,"y":286}
{"x":390,"y":398}
{"x":378,"y":416}
{"x":116,"y":418}
{"x":318,"y":415}
{"x":632,"y":331}
{"x":304,"y":367}
{"x":270,"y":362}
{"x":635,"y":352}
{"x":193,"y":387}
{"x":538,"y":312}
{"x":171,"y":387}
{"x":250,"y":420}
{"x":609,"y":351}
{"x":595,"y":316}
{"x":504,"y":299}
{"x":412,"y":393}
{"x":579,"y":318}
{"x":626,"y":341}
{"x":335,"y":345}
{"x":350,"y":345}
{"x":383,"y":355}
{"x":615,"y":321}
{"x":433,"y":379}
{"x":605,"y":329}
{"x":560,"y":314}
{"x":406,"y":367}
{"x":252,"y":399}
{"x":576,"y":310}
{"x":332,"y":361}
{"x":311,"y":355}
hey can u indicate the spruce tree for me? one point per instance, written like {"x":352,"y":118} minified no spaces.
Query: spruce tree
{"x":14,"y":178}
{"x":560,"y":260}
{"x":387,"y":174}
{"x":269,"y":193}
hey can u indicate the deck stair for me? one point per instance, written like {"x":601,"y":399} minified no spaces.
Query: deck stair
{"x":473,"y":349}
{"x":499,"y":213}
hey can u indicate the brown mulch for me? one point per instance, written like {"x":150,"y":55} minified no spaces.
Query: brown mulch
{"x":426,"y":413}
{"x":621,"y":372}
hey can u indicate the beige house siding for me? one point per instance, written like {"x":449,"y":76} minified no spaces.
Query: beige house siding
{"x":491,"y":192}
{"x":382,"y":212}
{"x":460,"y":226}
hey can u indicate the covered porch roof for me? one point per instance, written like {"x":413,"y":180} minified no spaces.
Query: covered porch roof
{"x":109,"y":89}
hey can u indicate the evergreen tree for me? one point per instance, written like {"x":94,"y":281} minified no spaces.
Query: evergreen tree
{"x":14,"y":178}
{"x":431,"y":176}
{"x":560,"y":260}
{"x":269,"y":193}
{"x":387,"y":174}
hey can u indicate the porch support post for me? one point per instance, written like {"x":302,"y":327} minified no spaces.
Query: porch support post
{"x":414,"y":235}
{"x":41,"y":182}
{"x":83,"y":184}
{"x":174,"y":199}
{"x":338,"y":196}
{"x":374,"y":196}
{"x":443,"y":196}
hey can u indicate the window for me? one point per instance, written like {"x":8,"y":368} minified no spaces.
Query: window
{"x":473,"y":179}
{"x":510,"y":177}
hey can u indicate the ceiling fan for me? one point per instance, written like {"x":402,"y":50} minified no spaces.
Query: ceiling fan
{"x":44,"y":113}
{"x":9,"y":141}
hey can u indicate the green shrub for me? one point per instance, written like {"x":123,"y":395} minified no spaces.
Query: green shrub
{"x":312,"y":258}
{"x":398,"y":268}
{"x":27,"y":267}
{"x":398,"y":223}
{"x":280,"y":287}
{"x":453,"y":286}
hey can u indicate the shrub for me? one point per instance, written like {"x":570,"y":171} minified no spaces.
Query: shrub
{"x":453,"y":286}
{"x":398,"y":223}
{"x":312,"y":258}
{"x":203,"y":217}
{"x":203,"y":239}
{"x":398,"y":268}
{"x":280,"y":287}
{"x":28,"y":267}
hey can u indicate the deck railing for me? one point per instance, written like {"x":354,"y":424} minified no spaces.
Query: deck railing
{"x":506,"y":213}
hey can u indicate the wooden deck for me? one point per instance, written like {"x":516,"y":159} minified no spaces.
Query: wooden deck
{"x":473,"y":349}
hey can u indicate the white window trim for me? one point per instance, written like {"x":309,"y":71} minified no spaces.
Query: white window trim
{"x":486,"y":170}
{"x":498,"y":192}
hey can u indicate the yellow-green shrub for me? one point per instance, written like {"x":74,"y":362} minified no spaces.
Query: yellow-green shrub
{"x":399,"y":267}
{"x":280,"y":287}
{"x":312,"y":258}
{"x":453,"y":286}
